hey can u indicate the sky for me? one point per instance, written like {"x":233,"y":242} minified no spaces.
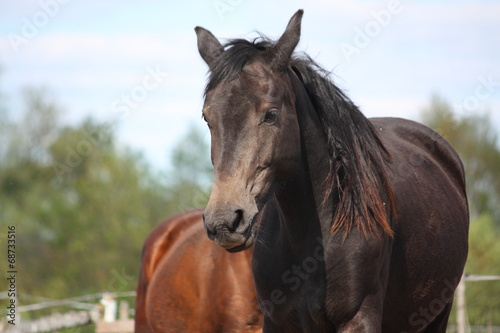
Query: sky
{"x":136,"y":64}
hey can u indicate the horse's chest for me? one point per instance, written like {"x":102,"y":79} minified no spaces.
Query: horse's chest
{"x":292,"y":294}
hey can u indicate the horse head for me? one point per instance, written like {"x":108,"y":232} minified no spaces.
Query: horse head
{"x":250,"y":110}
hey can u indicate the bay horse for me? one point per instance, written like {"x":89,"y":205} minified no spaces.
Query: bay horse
{"x":187,"y":283}
{"x":358,"y":225}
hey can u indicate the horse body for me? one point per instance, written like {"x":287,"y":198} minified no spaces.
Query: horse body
{"x":410,"y":278}
{"x":359,"y":225}
{"x":189,"y":284}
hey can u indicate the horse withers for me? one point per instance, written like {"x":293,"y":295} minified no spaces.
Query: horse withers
{"x":358,"y":225}
{"x":189,"y":284}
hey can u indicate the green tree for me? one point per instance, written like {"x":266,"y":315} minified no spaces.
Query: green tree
{"x":81,"y":205}
{"x":475,"y":140}
{"x":191,"y":159}
{"x":190,"y":178}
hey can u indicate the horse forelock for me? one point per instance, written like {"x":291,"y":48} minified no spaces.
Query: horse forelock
{"x":230,"y":63}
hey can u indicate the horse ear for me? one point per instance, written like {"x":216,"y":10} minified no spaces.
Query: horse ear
{"x":283,"y":49}
{"x":208,"y":46}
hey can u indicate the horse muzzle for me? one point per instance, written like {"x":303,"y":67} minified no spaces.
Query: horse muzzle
{"x":232,"y":228}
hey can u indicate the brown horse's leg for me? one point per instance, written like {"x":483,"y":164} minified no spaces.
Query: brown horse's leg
{"x":439,"y":324}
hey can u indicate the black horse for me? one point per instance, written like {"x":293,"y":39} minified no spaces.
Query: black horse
{"x":359,"y":225}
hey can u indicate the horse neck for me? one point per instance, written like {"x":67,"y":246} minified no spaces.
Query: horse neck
{"x":304,"y":217}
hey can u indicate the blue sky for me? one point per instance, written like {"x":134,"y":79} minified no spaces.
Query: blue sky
{"x":136,"y":63}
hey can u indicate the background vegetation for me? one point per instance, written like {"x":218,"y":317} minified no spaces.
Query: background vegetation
{"x":83,"y":204}
{"x":477,"y":143}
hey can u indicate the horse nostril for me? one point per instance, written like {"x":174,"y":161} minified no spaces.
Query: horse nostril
{"x":237,"y":220}
{"x":211,"y":233}
{"x":211,"y":230}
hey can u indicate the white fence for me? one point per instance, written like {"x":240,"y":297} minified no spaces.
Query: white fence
{"x":102,"y":313}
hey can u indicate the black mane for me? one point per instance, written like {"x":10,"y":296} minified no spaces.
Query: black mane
{"x":357,"y":156}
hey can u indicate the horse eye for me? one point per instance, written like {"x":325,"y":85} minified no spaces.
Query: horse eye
{"x":270,"y":116}
{"x":205,"y":119}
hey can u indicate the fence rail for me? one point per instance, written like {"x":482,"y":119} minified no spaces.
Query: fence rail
{"x":74,"y":302}
{"x":475,"y":329}
{"x":52,"y":323}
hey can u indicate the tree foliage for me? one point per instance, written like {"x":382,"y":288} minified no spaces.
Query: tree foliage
{"x":474,"y":138}
{"x":190,"y":178}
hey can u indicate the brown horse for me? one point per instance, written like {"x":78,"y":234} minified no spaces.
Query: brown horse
{"x":189,"y":284}
{"x":363,"y":223}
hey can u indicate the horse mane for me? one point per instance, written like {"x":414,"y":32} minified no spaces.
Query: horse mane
{"x":358,"y":179}
{"x":357,"y":155}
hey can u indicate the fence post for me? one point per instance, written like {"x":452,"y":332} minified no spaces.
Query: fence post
{"x":124,"y":309}
{"x":461,"y":314}
{"x":110,"y":308}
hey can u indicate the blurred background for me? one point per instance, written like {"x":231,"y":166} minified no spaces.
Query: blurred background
{"x":101,"y":135}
